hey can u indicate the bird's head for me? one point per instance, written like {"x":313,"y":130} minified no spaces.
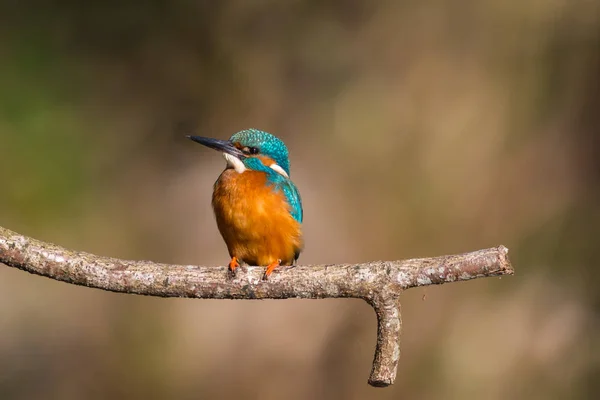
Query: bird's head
{"x":251,"y":149}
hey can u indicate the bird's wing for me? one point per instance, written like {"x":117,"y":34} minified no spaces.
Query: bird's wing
{"x":293,"y":197}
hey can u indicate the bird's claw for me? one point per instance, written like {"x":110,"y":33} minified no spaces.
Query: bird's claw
{"x":270,"y":269}
{"x":233,"y":265}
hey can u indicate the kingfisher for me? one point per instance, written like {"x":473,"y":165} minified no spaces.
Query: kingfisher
{"x":257,"y":206}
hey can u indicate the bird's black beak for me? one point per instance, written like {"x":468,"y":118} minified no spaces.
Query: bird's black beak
{"x":226,"y":146}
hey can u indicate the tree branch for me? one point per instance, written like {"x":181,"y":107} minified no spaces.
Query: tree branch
{"x":379,"y":283}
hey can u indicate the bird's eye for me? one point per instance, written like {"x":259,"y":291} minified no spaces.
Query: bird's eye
{"x":251,"y":150}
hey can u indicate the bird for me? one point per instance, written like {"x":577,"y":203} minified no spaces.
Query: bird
{"x":257,"y":207}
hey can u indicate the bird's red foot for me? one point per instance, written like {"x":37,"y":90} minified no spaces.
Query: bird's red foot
{"x":270,"y":269}
{"x":233,"y":264}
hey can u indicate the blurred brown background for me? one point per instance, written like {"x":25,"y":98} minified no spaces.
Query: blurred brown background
{"x":415,"y":129}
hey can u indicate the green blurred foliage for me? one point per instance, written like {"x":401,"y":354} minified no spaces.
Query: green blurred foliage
{"x":41,"y":130}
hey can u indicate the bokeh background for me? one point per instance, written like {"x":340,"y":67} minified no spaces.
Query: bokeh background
{"x":415,"y":129}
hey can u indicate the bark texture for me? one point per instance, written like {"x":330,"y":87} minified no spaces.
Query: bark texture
{"x":379,"y":282}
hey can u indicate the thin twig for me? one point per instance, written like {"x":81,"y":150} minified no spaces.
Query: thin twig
{"x":379,"y":283}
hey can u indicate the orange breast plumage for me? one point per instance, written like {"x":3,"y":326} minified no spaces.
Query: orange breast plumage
{"x":255,"y":220}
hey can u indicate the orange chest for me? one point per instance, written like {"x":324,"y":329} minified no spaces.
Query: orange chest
{"x":254,"y":219}
{"x":246,"y":201}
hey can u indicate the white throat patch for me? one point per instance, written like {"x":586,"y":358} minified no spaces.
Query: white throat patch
{"x":239,"y":167}
{"x":234,"y":162}
{"x":279,"y":170}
